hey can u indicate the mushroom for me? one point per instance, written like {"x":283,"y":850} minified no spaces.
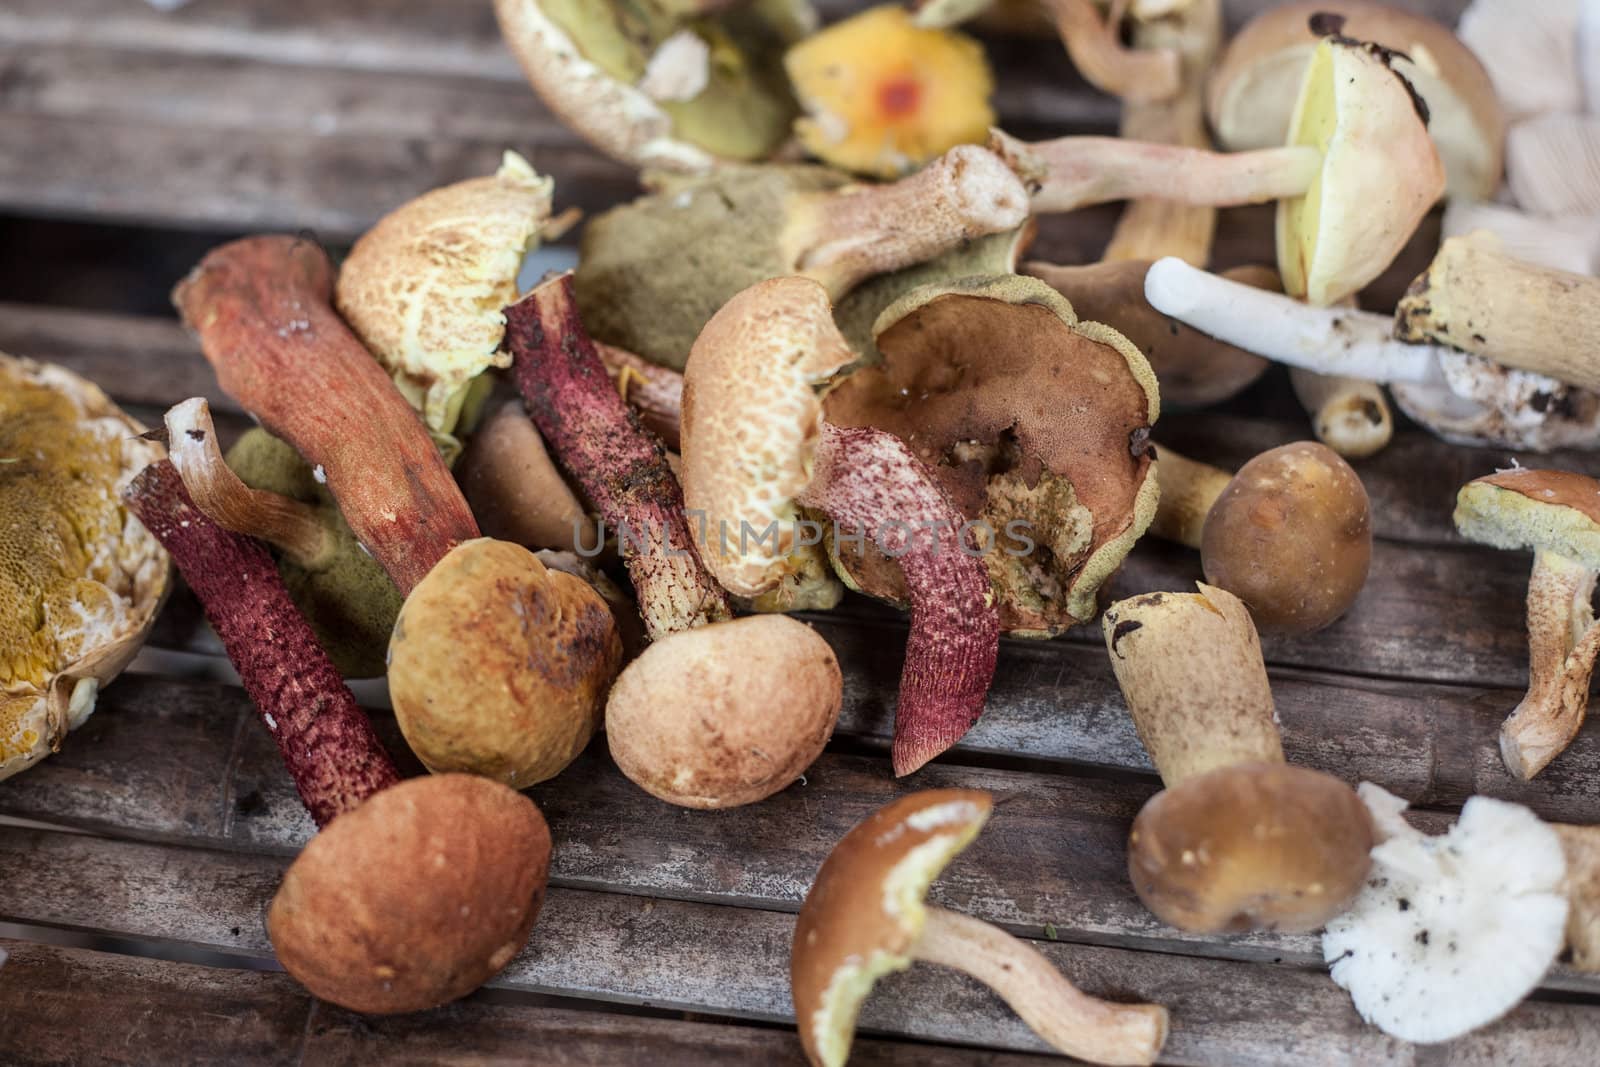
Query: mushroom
{"x":1451,"y":932}
{"x":1530,"y":52}
{"x":975,"y":378}
{"x":1237,"y":840}
{"x":1250,"y":98}
{"x":1349,"y":415}
{"x":1356,"y":176}
{"x":866,"y":916}
{"x":81,"y":581}
{"x":1553,"y":165}
{"x":1569,"y":243}
{"x":1290,"y":533}
{"x":1094,"y":43}
{"x":669,"y":87}
{"x":883,"y":96}
{"x":652,"y":273}
{"x":261,"y":309}
{"x":1557,"y":515}
{"x":656,"y":391}
{"x":415,"y":893}
{"x":515,"y":491}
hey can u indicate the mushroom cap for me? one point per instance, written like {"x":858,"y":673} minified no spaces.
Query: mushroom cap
{"x":415,"y":898}
{"x":1291,"y":536}
{"x":884,"y":95}
{"x":1542,"y":510}
{"x":1451,"y":932}
{"x":1254,"y":846}
{"x":1553,"y":165}
{"x":499,"y":666}
{"x":515,"y":490}
{"x":1026,"y":415}
{"x":1251,"y":92}
{"x":752,"y":412}
{"x":1380,"y":173}
{"x":865,"y":911}
{"x":80,"y":579}
{"x":726,"y":714}
{"x":424,"y":289}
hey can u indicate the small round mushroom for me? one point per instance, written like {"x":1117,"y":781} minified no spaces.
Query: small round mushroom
{"x":514,"y":489}
{"x":1238,"y":840}
{"x":865,"y":917}
{"x":1290,"y":533}
{"x":726,"y":714}
{"x":1557,"y":515}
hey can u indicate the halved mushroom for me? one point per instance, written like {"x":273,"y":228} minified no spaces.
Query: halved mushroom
{"x":865,"y":917}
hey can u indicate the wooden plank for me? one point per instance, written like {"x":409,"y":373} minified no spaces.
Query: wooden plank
{"x":734,"y":961}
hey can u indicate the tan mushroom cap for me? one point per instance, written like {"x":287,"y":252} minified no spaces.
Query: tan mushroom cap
{"x":1254,"y":846}
{"x":1250,"y":95}
{"x":416,"y":898}
{"x":726,"y":714}
{"x":1556,"y":511}
{"x":424,"y":289}
{"x":865,"y":912}
{"x":515,"y":490}
{"x":499,"y":666}
{"x":1025,"y":413}
{"x":752,"y":411}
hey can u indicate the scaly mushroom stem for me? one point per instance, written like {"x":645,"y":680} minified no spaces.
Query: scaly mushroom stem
{"x":327,"y":742}
{"x":261,"y":309}
{"x":1581,"y":845}
{"x":618,"y":465}
{"x":842,"y":237}
{"x":283,"y":522}
{"x":1478,"y":299}
{"x":1190,"y":669}
{"x":1099,"y":1031}
{"x":1350,"y":415}
{"x":1073,"y":172}
{"x":655,"y":390}
{"x":1563,"y":641}
{"x":1188,"y":489}
{"x":1094,"y":43}
{"x":868,"y":481}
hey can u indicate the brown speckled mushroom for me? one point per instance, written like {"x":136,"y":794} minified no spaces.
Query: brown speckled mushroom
{"x":1238,"y":840}
{"x":1557,"y":515}
{"x":865,"y":917}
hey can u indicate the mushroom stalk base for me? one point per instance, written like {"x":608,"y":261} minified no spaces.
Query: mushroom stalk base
{"x":1350,"y":415}
{"x":1073,"y":1022}
{"x":1188,"y":489}
{"x":1563,"y":641}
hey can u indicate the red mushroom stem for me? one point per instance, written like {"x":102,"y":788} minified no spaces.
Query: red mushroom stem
{"x":261,"y":307}
{"x":620,"y":467}
{"x":868,"y":481}
{"x":326,"y":740}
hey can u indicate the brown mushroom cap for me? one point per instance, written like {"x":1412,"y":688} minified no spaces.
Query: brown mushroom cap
{"x":726,"y":714}
{"x":1556,"y":511}
{"x":865,"y":911}
{"x":1026,"y":414}
{"x":1291,"y":536}
{"x":417,"y":897}
{"x":1254,"y":846}
{"x":499,"y":666}
{"x":515,"y":490}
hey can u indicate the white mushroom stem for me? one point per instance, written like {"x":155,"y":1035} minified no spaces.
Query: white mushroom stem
{"x":1094,"y":42}
{"x":1563,"y":641}
{"x":1188,"y":489}
{"x":293,"y":527}
{"x":1073,"y":172}
{"x":1349,"y":415}
{"x":1073,"y":1022}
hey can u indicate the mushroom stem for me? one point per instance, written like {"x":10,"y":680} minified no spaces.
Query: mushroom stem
{"x":620,"y":467}
{"x":1476,"y":298}
{"x":283,"y":522}
{"x":326,"y":740}
{"x":1188,"y":489}
{"x":840,"y":238}
{"x":869,"y":482}
{"x":1349,"y":415}
{"x":655,"y":390}
{"x":1563,"y":641}
{"x":1099,"y":1031}
{"x":1073,"y":172}
{"x":261,"y":309}
{"x":1095,"y":45}
{"x":1581,"y":846}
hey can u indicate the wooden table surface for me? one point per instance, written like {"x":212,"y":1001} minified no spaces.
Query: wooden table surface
{"x":136,"y":864}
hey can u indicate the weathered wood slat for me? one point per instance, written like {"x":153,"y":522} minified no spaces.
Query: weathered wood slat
{"x":734,"y":961}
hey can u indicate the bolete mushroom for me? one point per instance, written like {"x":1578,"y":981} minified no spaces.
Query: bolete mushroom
{"x":515,"y":490}
{"x":80,"y":579}
{"x":1290,"y":534}
{"x":865,"y":916}
{"x":1250,"y":97}
{"x":415,"y":893}
{"x":1238,"y":840}
{"x":1557,"y":515}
